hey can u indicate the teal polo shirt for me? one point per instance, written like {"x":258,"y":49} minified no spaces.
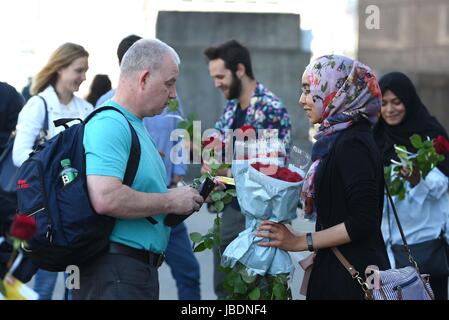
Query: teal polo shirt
{"x":107,"y":143}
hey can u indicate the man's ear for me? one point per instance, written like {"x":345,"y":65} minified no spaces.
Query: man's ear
{"x":241,"y":70}
{"x":144,"y":77}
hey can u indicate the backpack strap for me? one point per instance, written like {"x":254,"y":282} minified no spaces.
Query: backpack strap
{"x":63,"y":122}
{"x":134,"y":156}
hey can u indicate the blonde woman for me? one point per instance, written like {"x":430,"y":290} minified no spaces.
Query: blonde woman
{"x":55,"y":84}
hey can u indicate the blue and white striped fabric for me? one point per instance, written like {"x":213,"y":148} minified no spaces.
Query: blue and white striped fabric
{"x":403,"y":284}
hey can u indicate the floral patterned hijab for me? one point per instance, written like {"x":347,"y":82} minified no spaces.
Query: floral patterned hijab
{"x":344,"y":92}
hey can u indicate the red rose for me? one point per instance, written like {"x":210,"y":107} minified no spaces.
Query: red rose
{"x":213,"y":142}
{"x":207,"y":142}
{"x":247,"y":127}
{"x":441,"y":145}
{"x":23,"y":227}
{"x":281,"y":173}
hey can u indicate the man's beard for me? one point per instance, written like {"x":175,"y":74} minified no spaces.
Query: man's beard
{"x":235,"y":89}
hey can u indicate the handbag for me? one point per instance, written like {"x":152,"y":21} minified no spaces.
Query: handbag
{"x":430,"y":255}
{"x":8,"y":171}
{"x":394,"y":284}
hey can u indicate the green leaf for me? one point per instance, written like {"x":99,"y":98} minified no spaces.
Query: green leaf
{"x":224,"y":269}
{"x":219,"y":206}
{"x":182,"y":125}
{"x":209,"y":243}
{"x":227,"y":198}
{"x":427,"y":144}
{"x":279,"y":291}
{"x":416,"y":141}
{"x":254,"y":294}
{"x":232,"y":192}
{"x":173,"y":105}
{"x":196,"y":237}
{"x":402,"y":193}
{"x":199,"y":248}
{"x":239,"y":285}
{"x":218,"y":195}
{"x":192,"y":116}
{"x":324,"y":87}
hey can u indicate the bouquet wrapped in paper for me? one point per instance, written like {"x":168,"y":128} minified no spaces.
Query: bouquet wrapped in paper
{"x":266,"y":190}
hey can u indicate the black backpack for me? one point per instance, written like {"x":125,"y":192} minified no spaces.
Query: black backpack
{"x":69,"y":231}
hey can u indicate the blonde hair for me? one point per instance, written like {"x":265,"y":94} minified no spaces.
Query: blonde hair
{"x":59,"y":59}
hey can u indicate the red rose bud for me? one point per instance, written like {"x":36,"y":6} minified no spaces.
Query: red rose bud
{"x":441,"y":145}
{"x":246,"y":127}
{"x":207,"y":142}
{"x":23,"y":227}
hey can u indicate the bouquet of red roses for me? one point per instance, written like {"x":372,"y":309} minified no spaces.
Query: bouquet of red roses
{"x":281,"y":173}
{"x":266,"y":190}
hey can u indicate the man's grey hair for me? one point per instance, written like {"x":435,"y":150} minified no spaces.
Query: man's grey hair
{"x":147,"y":54}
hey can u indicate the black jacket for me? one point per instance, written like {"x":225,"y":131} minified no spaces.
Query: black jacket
{"x":11,"y":102}
{"x":349,"y":186}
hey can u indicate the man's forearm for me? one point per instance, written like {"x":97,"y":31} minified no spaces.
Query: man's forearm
{"x":124,"y":203}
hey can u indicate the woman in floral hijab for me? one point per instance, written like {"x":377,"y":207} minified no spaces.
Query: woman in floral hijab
{"x":344,"y":185}
{"x":343,"y":91}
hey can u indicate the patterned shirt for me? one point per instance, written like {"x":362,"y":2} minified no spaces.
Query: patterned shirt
{"x":266,"y":111}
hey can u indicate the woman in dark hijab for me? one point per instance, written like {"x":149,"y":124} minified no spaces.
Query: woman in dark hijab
{"x":425,"y":209}
{"x":416,"y":119}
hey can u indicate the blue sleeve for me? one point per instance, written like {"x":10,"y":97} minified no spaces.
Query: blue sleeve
{"x":107,"y":96}
{"x":179,"y":169}
{"x":107,"y":143}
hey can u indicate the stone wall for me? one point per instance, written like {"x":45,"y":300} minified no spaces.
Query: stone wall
{"x":413,"y":38}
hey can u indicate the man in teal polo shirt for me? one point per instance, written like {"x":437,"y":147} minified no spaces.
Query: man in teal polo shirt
{"x":128,"y":270}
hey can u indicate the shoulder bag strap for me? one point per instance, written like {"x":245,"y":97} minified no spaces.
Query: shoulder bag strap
{"x":45,"y":126}
{"x":401,"y":231}
{"x":350,"y":268}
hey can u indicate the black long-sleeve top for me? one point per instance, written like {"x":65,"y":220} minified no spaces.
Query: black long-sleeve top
{"x":349,"y":186}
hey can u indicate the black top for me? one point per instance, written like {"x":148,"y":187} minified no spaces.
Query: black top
{"x":349,"y":186}
{"x":239,"y":121}
{"x":11,"y":102}
{"x":239,"y":118}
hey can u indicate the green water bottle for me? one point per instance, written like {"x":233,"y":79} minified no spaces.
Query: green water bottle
{"x":68,"y":174}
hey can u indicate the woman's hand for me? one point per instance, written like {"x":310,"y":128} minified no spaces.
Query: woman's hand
{"x":413,"y":177}
{"x":219,"y":186}
{"x":280,"y":237}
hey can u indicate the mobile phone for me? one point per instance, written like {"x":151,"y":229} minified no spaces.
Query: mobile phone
{"x":204,"y":189}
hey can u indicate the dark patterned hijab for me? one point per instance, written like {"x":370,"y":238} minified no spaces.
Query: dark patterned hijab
{"x":417,"y":120}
